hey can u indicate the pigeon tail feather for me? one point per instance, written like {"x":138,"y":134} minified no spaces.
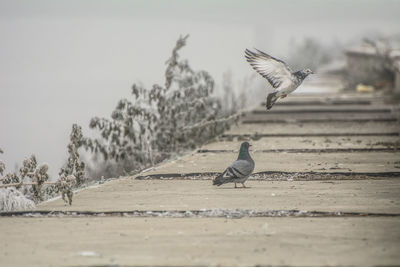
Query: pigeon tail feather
{"x":220,"y":180}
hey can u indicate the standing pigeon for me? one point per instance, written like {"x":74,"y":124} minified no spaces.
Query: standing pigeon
{"x":278,"y":74}
{"x":239,"y":170}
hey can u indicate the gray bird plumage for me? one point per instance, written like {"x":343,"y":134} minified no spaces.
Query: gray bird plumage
{"x":239,"y":170}
{"x":278,"y":74}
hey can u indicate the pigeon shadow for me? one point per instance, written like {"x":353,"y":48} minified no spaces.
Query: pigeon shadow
{"x":235,"y":188}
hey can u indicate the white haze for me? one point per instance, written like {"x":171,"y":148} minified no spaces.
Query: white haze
{"x":63,"y":62}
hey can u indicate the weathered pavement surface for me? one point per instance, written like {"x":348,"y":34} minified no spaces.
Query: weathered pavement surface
{"x":326,"y":193}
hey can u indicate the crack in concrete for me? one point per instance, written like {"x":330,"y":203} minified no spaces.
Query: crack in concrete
{"x":203,"y":213}
{"x":257,"y":265}
{"x":322,"y":120}
{"x":258,"y":136}
{"x":322,"y":103}
{"x":298,"y":111}
{"x":276,"y":176}
{"x":305,"y":150}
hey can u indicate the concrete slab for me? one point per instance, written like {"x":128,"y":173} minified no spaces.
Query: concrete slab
{"x":380,"y":108}
{"x":199,"y":242}
{"x":321,"y":116}
{"x":332,"y":97}
{"x":314,"y":128}
{"x":333,"y":142}
{"x":288,"y":162}
{"x":127,"y":194}
{"x":333,"y":241}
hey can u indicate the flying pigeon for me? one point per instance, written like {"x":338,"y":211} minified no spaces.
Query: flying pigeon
{"x":239,"y":170}
{"x":278,"y":74}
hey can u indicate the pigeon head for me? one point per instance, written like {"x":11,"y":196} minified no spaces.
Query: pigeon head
{"x":244,"y":150}
{"x":308,"y":71}
{"x":302,"y":74}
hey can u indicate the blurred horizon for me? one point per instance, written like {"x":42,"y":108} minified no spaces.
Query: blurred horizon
{"x":64,"y":62}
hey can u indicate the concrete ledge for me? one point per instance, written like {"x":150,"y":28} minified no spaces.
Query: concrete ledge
{"x":124,"y":241}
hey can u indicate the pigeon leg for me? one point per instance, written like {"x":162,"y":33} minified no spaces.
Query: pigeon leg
{"x":268,"y":102}
{"x":244,"y":185}
{"x":271,"y":99}
{"x":235,"y":185}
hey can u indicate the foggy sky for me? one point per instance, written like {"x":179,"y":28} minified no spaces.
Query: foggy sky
{"x":63,"y":62}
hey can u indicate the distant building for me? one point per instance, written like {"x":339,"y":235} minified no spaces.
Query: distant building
{"x":366,"y":64}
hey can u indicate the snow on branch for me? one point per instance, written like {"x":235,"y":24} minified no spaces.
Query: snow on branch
{"x":162,"y":120}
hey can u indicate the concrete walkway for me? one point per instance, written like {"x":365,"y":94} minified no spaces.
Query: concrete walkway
{"x":326,"y":192}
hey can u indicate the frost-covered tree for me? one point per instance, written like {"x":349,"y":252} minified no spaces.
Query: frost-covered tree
{"x":159,"y":122}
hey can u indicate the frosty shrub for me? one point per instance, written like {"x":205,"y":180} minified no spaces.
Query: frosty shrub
{"x":73,"y":174}
{"x":74,"y":166}
{"x":39,"y":177}
{"x":2,"y":167}
{"x":12,"y":200}
{"x":26,"y":171}
{"x":30,"y":185}
{"x":29,"y":174}
{"x":161,"y":121}
{"x":65,"y":185}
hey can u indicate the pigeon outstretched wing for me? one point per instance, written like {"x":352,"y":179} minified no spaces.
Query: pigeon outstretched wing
{"x":274,"y":70}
